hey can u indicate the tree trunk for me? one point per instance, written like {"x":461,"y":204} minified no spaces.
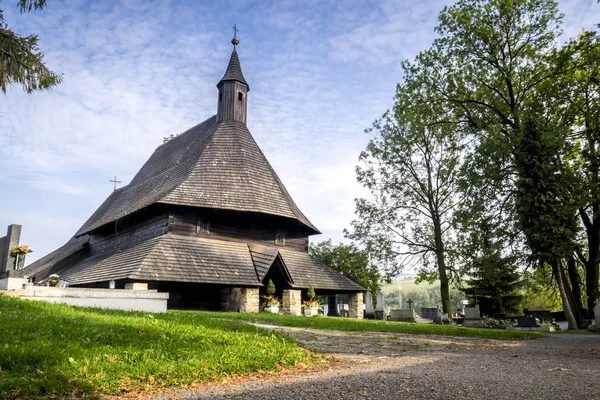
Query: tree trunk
{"x":591,"y":268}
{"x":441,"y":263}
{"x":560,"y":281}
{"x":575,"y":280}
{"x":576,"y":306}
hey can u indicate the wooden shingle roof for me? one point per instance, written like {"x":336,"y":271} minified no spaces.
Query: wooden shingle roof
{"x":213,"y":165}
{"x":189,"y":259}
{"x":49,"y":260}
{"x":306,"y":270}
{"x":170,"y":258}
{"x":234,"y":71}
{"x":263,"y":258}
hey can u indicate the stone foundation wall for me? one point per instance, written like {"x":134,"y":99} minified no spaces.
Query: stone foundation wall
{"x":355,"y":305}
{"x":240,"y":299}
{"x":292,"y":302}
{"x":250,"y":301}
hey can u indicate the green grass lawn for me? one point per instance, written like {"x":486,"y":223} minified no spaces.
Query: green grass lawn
{"x":348,"y":324}
{"x":56,"y":351}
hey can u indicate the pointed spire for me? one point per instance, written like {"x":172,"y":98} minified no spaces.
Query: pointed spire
{"x":234,"y":69}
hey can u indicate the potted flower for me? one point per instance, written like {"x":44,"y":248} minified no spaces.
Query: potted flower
{"x":271,"y":303}
{"x":19,"y":252}
{"x":312,"y":306}
{"x":53,"y":280}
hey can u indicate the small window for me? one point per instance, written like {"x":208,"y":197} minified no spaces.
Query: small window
{"x":202,"y":226}
{"x":220,"y":96}
{"x":240,"y":96}
{"x":280,"y":238}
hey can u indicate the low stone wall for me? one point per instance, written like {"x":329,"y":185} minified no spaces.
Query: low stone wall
{"x":11,"y":283}
{"x":118,"y":299}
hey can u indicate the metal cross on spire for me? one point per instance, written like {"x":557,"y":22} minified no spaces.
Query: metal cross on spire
{"x":235,"y":40}
{"x":115,"y":181}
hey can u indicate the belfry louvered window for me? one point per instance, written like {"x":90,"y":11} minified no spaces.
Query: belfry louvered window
{"x":240,"y":96}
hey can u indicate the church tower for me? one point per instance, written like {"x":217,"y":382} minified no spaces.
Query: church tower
{"x":233,"y":90}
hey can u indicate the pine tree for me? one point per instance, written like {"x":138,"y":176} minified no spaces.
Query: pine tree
{"x":21,"y":61}
{"x":495,"y":285}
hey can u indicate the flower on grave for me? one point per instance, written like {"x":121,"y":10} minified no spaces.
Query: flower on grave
{"x":21,"y":250}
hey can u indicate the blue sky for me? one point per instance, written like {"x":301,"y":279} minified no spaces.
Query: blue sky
{"x":320,"y":72}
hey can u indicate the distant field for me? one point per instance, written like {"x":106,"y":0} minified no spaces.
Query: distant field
{"x":407,"y":285}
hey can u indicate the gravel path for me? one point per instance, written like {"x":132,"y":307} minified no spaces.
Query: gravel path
{"x":373,"y":365}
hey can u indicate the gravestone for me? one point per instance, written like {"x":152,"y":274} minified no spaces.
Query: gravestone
{"x":473,"y":317}
{"x":403,"y":315}
{"x":542,"y":315}
{"x":432,"y":313}
{"x":379,"y":313}
{"x":369,"y":314}
{"x":527,"y":322}
{"x":11,"y":272}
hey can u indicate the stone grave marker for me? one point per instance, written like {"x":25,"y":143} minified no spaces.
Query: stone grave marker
{"x":527,"y":322}
{"x":473,"y":317}
{"x":403,"y":315}
{"x":379,"y":313}
{"x":432,"y":313}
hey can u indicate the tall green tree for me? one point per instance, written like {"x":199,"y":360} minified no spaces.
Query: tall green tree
{"x":499,"y":56}
{"x":576,"y":104}
{"x":546,"y":208}
{"x":349,"y":259}
{"x":21,"y":61}
{"x":411,"y":166}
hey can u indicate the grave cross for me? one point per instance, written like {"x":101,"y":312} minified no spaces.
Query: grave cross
{"x":410,"y":302}
{"x":115,"y":181}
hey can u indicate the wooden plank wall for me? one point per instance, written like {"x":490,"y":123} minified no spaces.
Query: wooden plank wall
{"x":229,"y":107}
{"x":151,"y":227}
{"x":237,"y":229}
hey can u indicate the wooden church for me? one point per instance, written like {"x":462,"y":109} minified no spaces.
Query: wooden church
{"x":206,"y":219}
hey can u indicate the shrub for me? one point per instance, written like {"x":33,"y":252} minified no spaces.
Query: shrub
{"x":493,"y":323}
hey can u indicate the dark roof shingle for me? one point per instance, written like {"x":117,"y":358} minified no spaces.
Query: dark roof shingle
{"x":170,"y":258}
{"x":234,"y":71}
{"x":213,"y":165}
{"x":306,"y":270}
